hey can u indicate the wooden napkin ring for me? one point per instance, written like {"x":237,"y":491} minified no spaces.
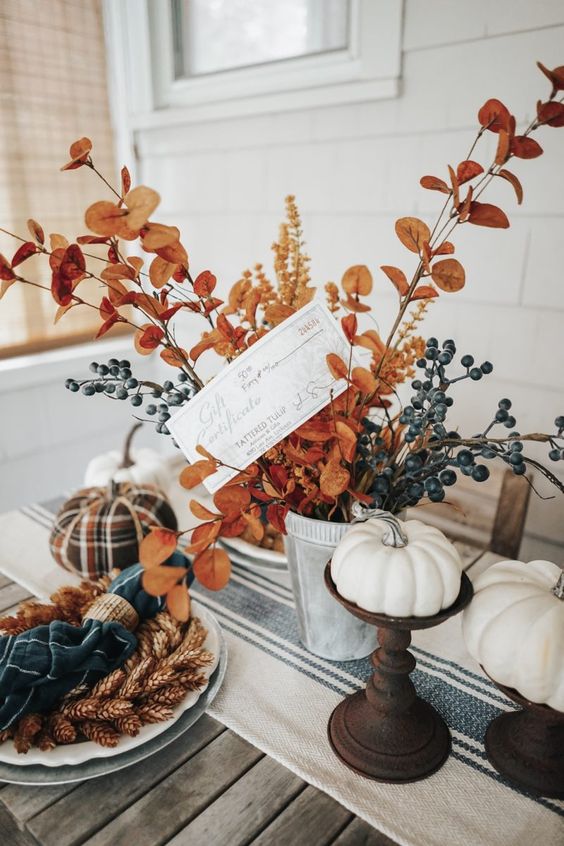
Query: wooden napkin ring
{"x":113,"y":608}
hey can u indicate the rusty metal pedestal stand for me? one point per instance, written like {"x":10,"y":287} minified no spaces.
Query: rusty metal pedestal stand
{"x":527,"y":747}
{"x":386,"y":732}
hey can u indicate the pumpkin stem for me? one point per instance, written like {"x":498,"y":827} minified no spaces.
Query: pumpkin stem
{"x":394,"y":536}
{"x":558,"y":589}
{"x":126,"y":460}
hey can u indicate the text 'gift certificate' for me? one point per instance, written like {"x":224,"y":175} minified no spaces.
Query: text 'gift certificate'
{"x":265,"y":394}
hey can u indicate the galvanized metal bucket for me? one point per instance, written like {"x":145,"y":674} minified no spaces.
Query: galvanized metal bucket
{"x":326,"y":628}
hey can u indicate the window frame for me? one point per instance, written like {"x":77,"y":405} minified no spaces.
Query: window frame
{"x":141,"y":46}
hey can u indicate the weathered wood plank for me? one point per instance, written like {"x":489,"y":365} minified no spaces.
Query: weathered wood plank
{"x":313,"y":818}
{"x":245,"y":808}
{"x":510,"y":516}
{"x":95,"y":803}
{"x":360,"y":833}
{"x":174,"y":802}
{"x":9,"y":834}
{"x":11,"y":595}
{"x":23,"y":802}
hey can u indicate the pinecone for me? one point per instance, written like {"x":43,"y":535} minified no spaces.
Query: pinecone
{"x":82,"y":709}
{"x":159,"y":678}
{"x":114,"y":708}
{"x":22,"y":744}
{"x":62,"y":729}
{"x":191,"y":659}
{"x":172,"y":627}
{"x":45,"y":740}
{"x":100,"y":732}
{"x":130,"y":724}
{"x":30,"y":725}
{"x":160,"y":644}
{"x":154,"y":713}
{"x":195,"y":635}
{"x":131,"y":662}
{"x":170,"y":695}
{"x":134,"y":683}
{"x":108,"y":685}
{"x":77,"y":692}
{"x":144,"y":642}
{"x":12,"y":625}
{"x":192,"y":681}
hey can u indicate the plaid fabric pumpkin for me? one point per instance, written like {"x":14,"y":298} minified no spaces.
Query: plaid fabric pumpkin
{"x":98,"y":529}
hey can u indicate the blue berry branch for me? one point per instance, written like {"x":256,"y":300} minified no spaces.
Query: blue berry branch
{"x":431,"y":456}
{"x":116,"y":381}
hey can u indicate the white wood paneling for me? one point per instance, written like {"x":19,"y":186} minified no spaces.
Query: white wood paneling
{"x":440,"y":22}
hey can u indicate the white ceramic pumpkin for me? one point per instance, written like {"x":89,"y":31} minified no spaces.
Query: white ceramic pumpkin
{"x":140,"y":466}
{"x":514,"y":628}
{"x":402,"y":569}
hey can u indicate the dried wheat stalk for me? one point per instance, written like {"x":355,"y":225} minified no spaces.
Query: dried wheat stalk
{"x":69,"y":604}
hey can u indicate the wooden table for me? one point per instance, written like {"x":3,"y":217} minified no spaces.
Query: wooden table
{"x":211,"y":788}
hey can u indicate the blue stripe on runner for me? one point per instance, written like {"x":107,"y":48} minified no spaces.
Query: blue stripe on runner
{"x":252,"y":639}
{"x":466,"y":672}
{"x":346,"y":686}
{"x":547,"y":803}
{"x":270,"y":582}
{"x":42,"y":519}
{"x":421,"y":662}
{"x":275,"y":589}
{"x":53,"y":505}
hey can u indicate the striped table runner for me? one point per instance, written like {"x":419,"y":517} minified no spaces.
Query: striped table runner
{"x":279,"y":696}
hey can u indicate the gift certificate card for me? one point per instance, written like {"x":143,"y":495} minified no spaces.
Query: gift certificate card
{"x":264,"y":394}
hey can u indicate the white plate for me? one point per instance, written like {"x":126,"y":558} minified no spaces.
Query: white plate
{"x":78,"y":753}
{"x":250,"y":550}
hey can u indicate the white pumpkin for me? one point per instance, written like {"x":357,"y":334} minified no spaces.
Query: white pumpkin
{"x":402,"y":569}
{"x":514,"y":628}
{"x":140,"y":466}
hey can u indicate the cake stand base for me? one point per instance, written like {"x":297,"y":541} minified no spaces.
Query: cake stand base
{"x":527,"y":747}
{"x":399,"y":749}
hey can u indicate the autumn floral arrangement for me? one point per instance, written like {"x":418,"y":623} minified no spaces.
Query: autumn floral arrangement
{"x":364,"y":447}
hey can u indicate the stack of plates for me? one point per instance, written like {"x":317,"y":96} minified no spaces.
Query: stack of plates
{"x":255,"y":557}
{"x":81,"y":761}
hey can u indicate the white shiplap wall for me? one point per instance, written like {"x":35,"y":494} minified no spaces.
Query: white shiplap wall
{"x":355,"y":169}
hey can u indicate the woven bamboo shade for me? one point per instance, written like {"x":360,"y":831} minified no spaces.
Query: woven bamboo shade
{"x":53,"y":90}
